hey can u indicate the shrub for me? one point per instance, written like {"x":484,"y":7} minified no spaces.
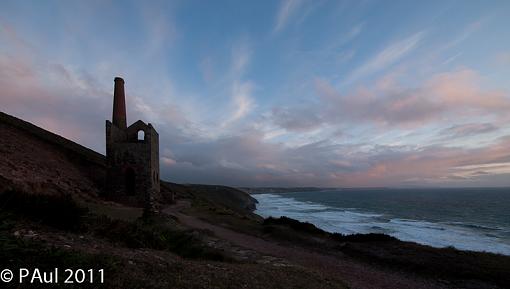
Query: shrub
{"x":142,"y":235}
{"x":16,"y":253}
{"x":296,"y":225}
{"x":59,"y":211}
{"x":308,"y":228}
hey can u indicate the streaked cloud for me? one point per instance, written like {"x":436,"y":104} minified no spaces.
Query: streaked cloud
{"x":354,"y":96}
{"x":240,"y":89}
{"x":386,"y":57}
{"x":287,"y":9}
{"x":241,"y":101}
{"x":468,"y":129}
{"x":469,"y":30}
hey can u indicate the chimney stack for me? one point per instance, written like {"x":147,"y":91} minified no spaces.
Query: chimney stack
{"x":119,"y":104}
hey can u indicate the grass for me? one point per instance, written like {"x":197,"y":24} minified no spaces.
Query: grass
{"x":436,"y":262}
{"x":19,"y":253}
{"x":114,"y":212}
{"x":141,"y":234}
{"x":63,"y":213}
{"x":122,"y":268}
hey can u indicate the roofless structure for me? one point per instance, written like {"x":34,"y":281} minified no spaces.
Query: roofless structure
{"x":132,"y":157}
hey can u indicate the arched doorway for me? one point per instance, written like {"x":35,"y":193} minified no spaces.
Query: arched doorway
{"x":130,"y":182}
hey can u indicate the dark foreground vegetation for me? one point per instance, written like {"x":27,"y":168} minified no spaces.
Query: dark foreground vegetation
{"x":56,"y":231}
{"x":62,"y":212}
{"x":468,"y":267}
{"x":35,"y":231}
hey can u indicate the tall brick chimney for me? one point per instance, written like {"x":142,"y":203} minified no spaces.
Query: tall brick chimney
{"x":119,"y":104}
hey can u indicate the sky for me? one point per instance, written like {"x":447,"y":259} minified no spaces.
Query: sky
{"x":275,"y":93}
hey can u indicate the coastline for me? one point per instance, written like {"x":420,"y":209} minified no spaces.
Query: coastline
{"x":460,"y":235}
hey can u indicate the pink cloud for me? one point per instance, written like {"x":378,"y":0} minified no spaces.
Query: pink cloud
{"x":50,"y":95}
{"x":433,"y":165}
{"x":462,"y":90}
{"x":444,"y":96}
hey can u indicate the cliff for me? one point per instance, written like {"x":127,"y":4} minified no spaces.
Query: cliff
{"x":224,"y":196}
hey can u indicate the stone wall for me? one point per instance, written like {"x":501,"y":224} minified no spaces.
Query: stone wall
{"x":133,"y":165}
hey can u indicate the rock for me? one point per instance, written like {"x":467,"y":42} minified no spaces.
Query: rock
{"x":30,"y":234}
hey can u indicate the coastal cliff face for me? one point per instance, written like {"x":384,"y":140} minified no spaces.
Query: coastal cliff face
{"x":228,"y":197}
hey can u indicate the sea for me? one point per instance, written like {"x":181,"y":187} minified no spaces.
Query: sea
{"x":476,"y":219}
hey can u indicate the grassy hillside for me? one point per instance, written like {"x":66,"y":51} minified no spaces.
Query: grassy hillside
{"x":48,"y":231}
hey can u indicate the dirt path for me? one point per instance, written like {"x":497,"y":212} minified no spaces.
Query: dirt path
{"x":356,"y":275}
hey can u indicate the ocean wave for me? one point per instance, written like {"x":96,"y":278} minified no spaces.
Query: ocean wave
{"x":475,"y":226}
{"x":353,"y":220}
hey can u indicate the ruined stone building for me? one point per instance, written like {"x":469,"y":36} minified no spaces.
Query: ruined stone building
{"x":132,"y":157}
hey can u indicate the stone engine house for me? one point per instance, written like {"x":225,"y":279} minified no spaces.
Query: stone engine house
{"x":132,"y":157}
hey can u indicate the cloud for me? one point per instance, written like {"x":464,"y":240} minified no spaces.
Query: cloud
{"x":246,"y":159}
{"x":463,"y":35}
{"x":77,"y":108}
{"x":388,"y":56}
{"x":469,"y":129}
{"x":167,"y":161}
{"x":300,"y":120}
{"x":286,"y":10}
{"x":160,"y":29}
{"x":355,"y":31}
{"x":433,"y":165}
{"x":240,"y":58}
{"x":241,"y":101}
{"x":67,"y":102}
{"x":240,"y":90}
{"x":462,"y":90}
{"x":450,"y":96}
{"x":223,"y":136}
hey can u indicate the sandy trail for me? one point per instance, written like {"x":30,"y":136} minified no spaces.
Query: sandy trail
{"x":357,"y":275}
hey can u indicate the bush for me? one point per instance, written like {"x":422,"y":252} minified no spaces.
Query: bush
{"x":305,"y":227}
{"x":59,"y":211}
{"x":159,"y":237}
{"x":296,"y":225}
{"x":17,"y":253}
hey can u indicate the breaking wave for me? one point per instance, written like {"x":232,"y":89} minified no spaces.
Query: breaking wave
{"x":354,"y":220}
